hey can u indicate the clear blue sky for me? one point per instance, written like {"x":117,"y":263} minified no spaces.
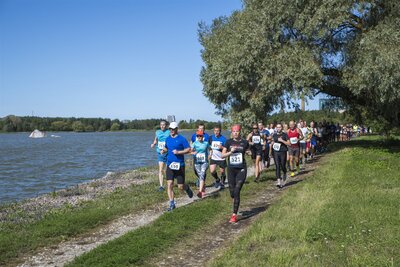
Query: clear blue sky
{"x":122,"y":59}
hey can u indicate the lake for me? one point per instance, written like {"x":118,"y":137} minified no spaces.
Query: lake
{"x":30,"y":167}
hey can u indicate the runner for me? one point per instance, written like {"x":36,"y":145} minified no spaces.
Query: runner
{"x":200,"y":127}
{"x":217,"y":141}
{"x":313,"y":140}
{"x":264,"y":163}
{"x":280,"y":143}
{"x":254,"y":138}
{"x":235,"y":149}
{"x":294,"y":135}
{"x":303,"y":144}
{"x":200,"y":152}
{"x":159,"y":140}
{"x":176,"y":146}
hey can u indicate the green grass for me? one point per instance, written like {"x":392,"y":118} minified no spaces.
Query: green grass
{"x":61,"y":224}
{"x":159,"y":238}
{"x":346,"y":214}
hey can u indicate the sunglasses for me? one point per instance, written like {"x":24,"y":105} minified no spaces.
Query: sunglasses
{"x":255,"y":128}
{"x":173,"y":128}
{"x":199,"y":135}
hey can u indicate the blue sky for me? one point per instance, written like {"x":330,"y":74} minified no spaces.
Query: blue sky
{"x":122,"y":59}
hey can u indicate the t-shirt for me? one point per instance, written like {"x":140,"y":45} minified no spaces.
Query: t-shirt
{"x":237,"y":159}
{"x":256,"y":139}
{"x":161,"y":137}
{"x":205,"y":138}
{"x":201,"y":149}
{"x":214,"y":144}
{"x":305,"y":131}
{"x":179,"y":143}
{"x":279,"y":146}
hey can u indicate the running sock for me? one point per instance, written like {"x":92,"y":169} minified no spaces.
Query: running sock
{"x":215,"y":175}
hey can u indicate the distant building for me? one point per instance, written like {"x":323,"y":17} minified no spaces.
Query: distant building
{"x":170,"y":118}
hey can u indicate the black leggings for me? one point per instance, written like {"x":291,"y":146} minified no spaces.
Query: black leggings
{"x":236,"y":178}
{"x":280,"y":158}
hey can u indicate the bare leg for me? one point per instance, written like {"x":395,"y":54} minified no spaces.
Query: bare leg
{"x":170,"y":191}
{"x":161,"y":172}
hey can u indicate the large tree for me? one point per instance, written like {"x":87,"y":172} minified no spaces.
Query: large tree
{"x":272,"y":51}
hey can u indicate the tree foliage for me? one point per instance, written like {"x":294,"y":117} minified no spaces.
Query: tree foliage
{"x":272,"y":51}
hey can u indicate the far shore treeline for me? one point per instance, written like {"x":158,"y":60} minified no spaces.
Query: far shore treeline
{"x":14,"y":123}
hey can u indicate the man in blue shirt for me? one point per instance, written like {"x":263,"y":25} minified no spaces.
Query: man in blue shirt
{"x":200,"y":127}
{"x":159,"y":142}
{"x":176,"y":146}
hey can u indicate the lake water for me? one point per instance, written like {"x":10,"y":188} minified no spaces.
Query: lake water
{"x":30,"y":167}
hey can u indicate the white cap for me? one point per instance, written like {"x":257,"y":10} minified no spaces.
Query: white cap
{"x":173,"y":125}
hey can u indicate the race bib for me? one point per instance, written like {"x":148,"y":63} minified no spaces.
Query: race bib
{"x":161,"y":145}
{"x":277,"y":146}
{"x":293,"y":140}
{"x":256,"y":139}
{"x":215,"y":145}
{"x":175,"y":166}
{"x":236,"y":159}
{"x":201,"y":157}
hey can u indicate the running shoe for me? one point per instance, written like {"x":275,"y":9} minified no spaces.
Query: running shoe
{"x":189,"y":192}
{"x":161,"y":189}
{"x":171,"y":206}
{"x":200,"y":194}
{"x":221,"y":186}
{"x":233,"y":219}
{"x":217,"y":183}
{"x":292,"y":174}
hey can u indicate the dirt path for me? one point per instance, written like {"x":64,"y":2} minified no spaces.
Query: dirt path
{"x":200,"y":250}
{"x":66,"y":251}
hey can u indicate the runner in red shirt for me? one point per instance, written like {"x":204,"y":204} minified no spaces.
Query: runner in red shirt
{"x":295,"y":135}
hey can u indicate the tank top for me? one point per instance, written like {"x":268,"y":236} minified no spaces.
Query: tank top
{"x":293,"y":137}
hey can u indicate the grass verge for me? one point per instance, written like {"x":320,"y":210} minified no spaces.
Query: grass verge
{"x":346,"y":214}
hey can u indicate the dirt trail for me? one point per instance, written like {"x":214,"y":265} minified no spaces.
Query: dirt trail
{"x":200,"y":250}
{"x":66,"y":251}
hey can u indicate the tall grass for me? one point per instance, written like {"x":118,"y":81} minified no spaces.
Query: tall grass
{"x":346,"y":214}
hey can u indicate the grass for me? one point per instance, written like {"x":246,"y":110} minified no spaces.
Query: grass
{"x":346,"y":214}
{"x":158,"y":239}
{"x":61,"y":224}
{"x":17,"y":239}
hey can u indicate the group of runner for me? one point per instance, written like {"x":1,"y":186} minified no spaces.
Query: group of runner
{"x":290,"y":146}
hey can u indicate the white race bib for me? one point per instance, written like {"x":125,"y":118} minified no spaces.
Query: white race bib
{"x":175,"y":166}
{"x":236,"y":158}
{"x":201,"y":157}
{"x":293,"y":140}
{"x":256,"y":139}
{"x":277,"y":146}
{"x":215,"y":145}
{"x":161,"y":145}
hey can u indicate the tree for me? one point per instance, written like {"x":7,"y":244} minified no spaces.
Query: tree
{"x":272,"y":51}
{"x":77,"y":126}
{"x":115,"y":126}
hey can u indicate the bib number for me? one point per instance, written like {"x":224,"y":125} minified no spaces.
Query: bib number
{"x":161,"y":145}
{"x":215,"y":145}
{"x":277,"y":146}
{"x":236,"y":158}
{"x":256,"y":139}
{"x":293,"y":140}
{"x":201,"y":157}
{"x":175,"y":166}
